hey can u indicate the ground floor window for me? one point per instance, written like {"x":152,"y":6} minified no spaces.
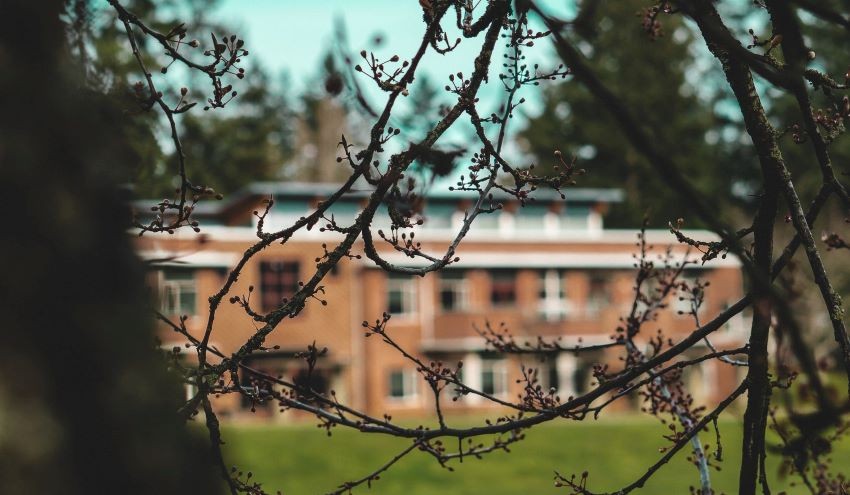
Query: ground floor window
{"x":403,"y":384}
{"x":257,"y":393}
{"x":547,"y":374}
{"x":581,"y":379}
{"x":494,"y":377}
{"x":311,"y":383}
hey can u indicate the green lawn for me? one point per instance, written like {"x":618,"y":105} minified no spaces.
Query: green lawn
{"x":304,"y":460}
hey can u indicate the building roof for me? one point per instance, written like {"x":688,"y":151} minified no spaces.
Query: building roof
{"x":311,"y":190}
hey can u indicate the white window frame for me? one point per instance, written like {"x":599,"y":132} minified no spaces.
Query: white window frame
{"x":685,"y":306}
{"x":553,"y":306}
{"x":457,"y":219}
{"x":649,"y":289}
{"x":551,"y":223}
{"x":594,"y":306}
{"x":507,"y":223}
{"x":460,"y":286}
{"x":177,"y":288}
{"x":409,"y":385}
{"x":499,"y":369}
{"x":544,"y":370}
{"x":584,"y":222}
{"x":407,"y":287}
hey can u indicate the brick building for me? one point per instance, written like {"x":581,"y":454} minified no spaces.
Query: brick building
{"x":549,"y":269}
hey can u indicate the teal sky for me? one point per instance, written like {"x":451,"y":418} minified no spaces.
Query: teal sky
{"x":291,"y":35}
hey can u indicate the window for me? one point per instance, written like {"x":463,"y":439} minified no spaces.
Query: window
{"x":547,"y":374}
{"x":178,"y":292}
{"x":581,"y":379}
{"x":532,"y":217}
{"x":545,"y":371}
{"x":551,"y":222}
{"x":258,"y":393}
{"x":278,"y":281}
{"x":651,"y":290}
{"x":507,"y":222}
{"x":452,"y":391}
{"x":453,"y":290}
{"x":503,"y":287}
{"x":598,"y":297}
{"x":311,"y":383}
{"x":402,"y":385}
{"x":401,"y":295}
{"x":494,"y":377}
{"x":552,"y":300}
{"x":440,"y":215}
{"x":576,"y":218}
{"x":683,"y":300}
{"x":484,"y":221}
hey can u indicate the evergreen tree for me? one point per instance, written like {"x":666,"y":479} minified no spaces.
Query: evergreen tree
{"x":651,"y":76}
{"x":240,"y":145}
{"x":249,"y":140}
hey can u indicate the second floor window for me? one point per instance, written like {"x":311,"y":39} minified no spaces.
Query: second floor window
{"x":684,"y":301}
{"x":503,"y":287}
{"x":552,"y":301}
{"x":278,"y":281}
{"x":178,"y":292}
{"x":401,"y":295}
{"x":453,"y":290}
{"x":599,"y":296}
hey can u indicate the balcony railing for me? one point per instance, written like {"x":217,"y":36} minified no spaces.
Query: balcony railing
{"x":532,"y":321}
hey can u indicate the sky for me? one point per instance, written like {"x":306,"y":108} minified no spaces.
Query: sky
{"x":291,"y":36}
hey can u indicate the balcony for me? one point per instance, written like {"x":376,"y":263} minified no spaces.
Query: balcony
{"x":525,"y":321}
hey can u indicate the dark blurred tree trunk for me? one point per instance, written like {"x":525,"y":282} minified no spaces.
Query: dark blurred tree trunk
{"x":85,"y":406}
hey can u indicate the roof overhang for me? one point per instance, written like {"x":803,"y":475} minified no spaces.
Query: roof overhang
{"x":189,"y":259}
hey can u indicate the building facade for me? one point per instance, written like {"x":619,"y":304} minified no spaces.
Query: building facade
{"x":548,"y":270}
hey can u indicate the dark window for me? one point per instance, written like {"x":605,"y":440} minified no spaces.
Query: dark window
{"x":683,"y":300}
{"x":599,"y":296}
{"x":396,"y":384}
{"x":553,"y":380}
{"x":494,"y":376}
{"x":401,"y":295}
{"x":452,"y":290}
{"x":402,"y":384}
{"x":488,"y":382}
{"x":310,"y":384}
{"x":278,"y":281}
{"x":503,"y":287}
{"x":581,"y":379}
{"x":178,"y":292}
{"x":258,"y":393}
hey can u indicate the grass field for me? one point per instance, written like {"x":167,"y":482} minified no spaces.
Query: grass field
{"x":302,"y":460}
